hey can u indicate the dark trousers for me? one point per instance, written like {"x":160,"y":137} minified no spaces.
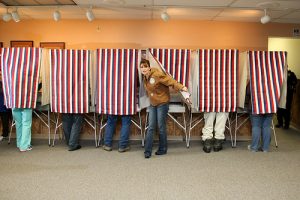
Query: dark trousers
{"x":284,"y":115}
{"x":72,"y":124}
{"x":5,"y":116}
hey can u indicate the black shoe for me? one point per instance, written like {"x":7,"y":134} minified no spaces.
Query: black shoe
{"x":147,"y":155}
{"x":75,"y":148}
{"x":158,"y":152}
{"x":218,"y":145}
{"x":207,"y":144}
{"x":286,"y":127}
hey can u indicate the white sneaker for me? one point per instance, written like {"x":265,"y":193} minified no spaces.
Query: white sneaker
{"x":1,"y":138}
{"x":249,"y":148}
{"x":28,"y":149}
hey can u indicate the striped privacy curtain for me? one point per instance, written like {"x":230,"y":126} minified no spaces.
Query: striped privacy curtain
{"x":176,"y":62}
{"x":20,"y":73}
{"x":69,"y":80}
{"x":217,"y":89}
{"x":266,"y":78}
{"x":116,"y":81}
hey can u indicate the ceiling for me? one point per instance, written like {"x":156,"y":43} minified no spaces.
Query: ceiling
{"x":284,"y":11}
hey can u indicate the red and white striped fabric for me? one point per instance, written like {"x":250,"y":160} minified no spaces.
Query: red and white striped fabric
{"x":69,"y":80}
{"x":266,"y":78}
{"x":116,"y":81}
{"x":176,"y":62}
{"x":218,"y":80}
{"x":20,"y":73}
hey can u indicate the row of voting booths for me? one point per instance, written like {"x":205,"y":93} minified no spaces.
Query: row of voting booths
{"x":108,"y":81}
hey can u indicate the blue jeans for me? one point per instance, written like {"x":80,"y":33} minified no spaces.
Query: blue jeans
{"x":261,"y":128}
{"x":157,"y":115}
{"x":23,"y":120}
{"x":72,"y":124}
{"x":111,"y":127}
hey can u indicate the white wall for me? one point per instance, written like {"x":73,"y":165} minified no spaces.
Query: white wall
{"x":292,"y":46}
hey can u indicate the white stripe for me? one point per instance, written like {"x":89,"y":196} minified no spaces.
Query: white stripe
{"x":25,"y":77}
{"x":271,"y":82}
{"x":202,"y":90}
{"x":111,"y":81}
{"x":126,"y":81}
{"x":219,"y":86}
{"x":235,"y":80}
{"x":186,"y":59}
{"x":133,"y":70}
{"x":115,"y":90}
{"x":229,"y":79}
{"x":267,"y":100}
{"x":213,"y":80}
{"x":276,"y":74}
{"x":99,"y":81}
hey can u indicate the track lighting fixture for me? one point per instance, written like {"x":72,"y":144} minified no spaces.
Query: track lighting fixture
{"x":15,"y":16}
{"x":266,"y":18}
{"x":56,"y":16}
{"x":90,"y":15}
{"x":7,"y":16}
{"x":165,"y":16}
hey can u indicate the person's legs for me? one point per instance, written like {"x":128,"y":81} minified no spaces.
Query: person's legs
{"x":5,"y":123}
{"x":67,"y":122}
{"x":75,"y":132}
{"x":150,"y":131}
{"x":256,"y":121}
{"x":220,"y":126}
{"x":26,"y":129}
{"x":17,"y":115}
{"x":280,"y":113}
{"x":287,"y":113}
{"x":125,"y":129}
{"x":266,"y":131}
{"x":109,"y":130}
{"x":207,"y":131}
{"x":162,"y":112}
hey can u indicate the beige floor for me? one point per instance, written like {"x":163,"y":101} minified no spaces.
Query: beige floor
{"x":91,"y":173}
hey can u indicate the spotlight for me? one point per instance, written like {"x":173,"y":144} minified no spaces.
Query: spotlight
{"x":56,"y":15}
{"x":6,"y":17}
{"x":165,"y":16}
{"x":266,"y":18}
{"x":15,"y":16}
{"x":90,"y":15}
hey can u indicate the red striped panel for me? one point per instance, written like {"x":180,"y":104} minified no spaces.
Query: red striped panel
{"x":218,"y":80}
{"x":266,"y":78}
{"x":69,"y":80}
{"x":176,"y":62}
{"x":116,"y":81}
{"x":20,"y":73}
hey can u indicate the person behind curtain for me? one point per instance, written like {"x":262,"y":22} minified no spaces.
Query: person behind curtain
{"x":23,"y":121}
{"x":157,"y":85}
{"x":124,"y":134}
{"x":4,"y":113}
{"x":72,"y":125}
{"x":209,"y":139}
{"x":285,"y":114}
{"x":261,"y":126}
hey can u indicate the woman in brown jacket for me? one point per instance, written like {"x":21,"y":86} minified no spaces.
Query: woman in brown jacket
{"x":157,"y":86}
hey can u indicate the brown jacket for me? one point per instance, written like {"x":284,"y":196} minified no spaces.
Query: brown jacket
{"x":157,"y":87}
